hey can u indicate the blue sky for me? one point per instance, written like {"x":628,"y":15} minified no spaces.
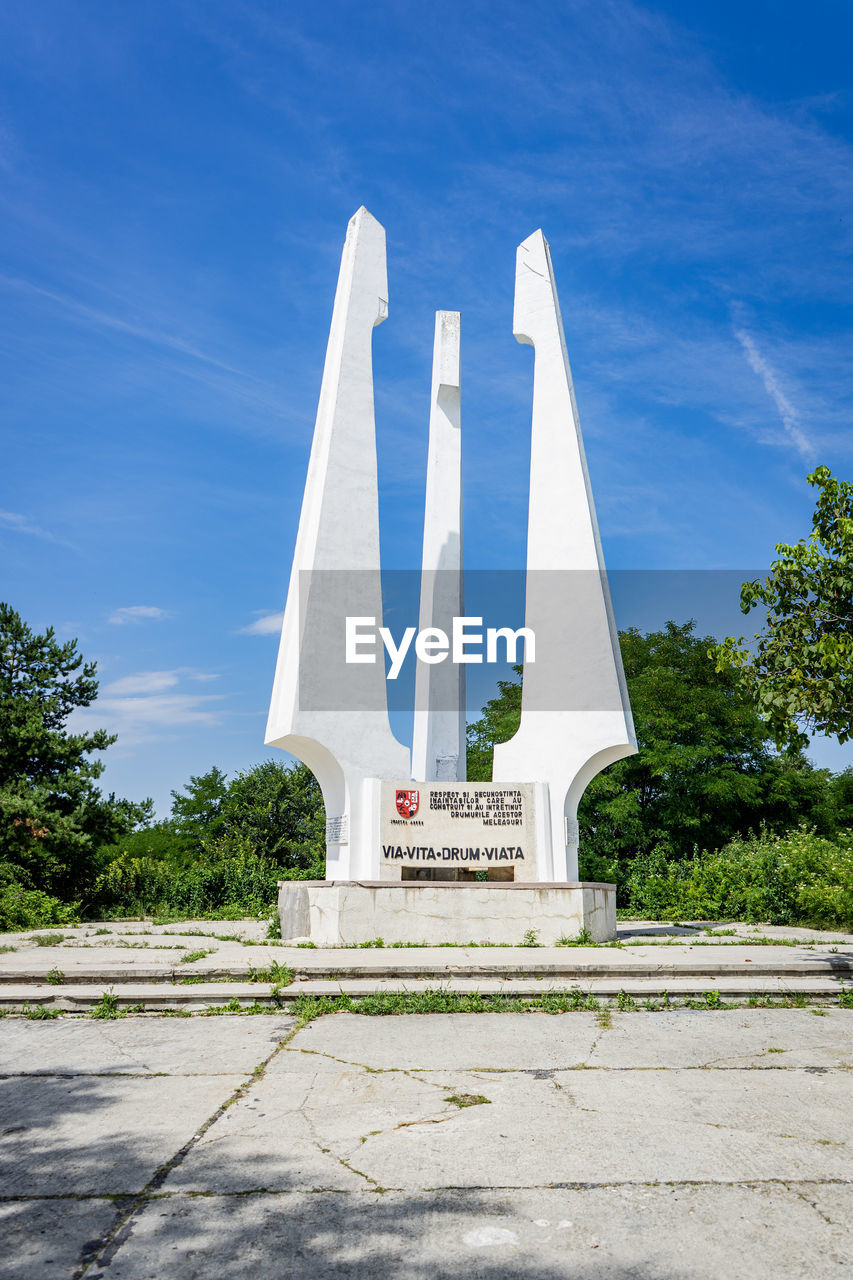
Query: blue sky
{"x":175,"y":183}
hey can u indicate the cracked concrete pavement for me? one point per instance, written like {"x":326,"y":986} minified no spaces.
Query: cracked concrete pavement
{"x":670,"y":1144}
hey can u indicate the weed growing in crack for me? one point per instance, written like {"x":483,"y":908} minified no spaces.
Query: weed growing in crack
{"x":55,"y":977}
{"x":468,"y":1099}
{"x":194,"y":955}
{"x":39,"y":1013}
{"x":107,"y":1007}
{"x":216,"y":1010}
{"x":567,"y":1001}
{"x":276,"y":973}
{"x":582,"y":939}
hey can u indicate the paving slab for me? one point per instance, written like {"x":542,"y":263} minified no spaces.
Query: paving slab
{"x":743,"y":1038}
{"x":453,"y":1040}
{"x":661,"y":1147}
{"x":45,"y":1239}
{"x":593,"y":1127}
{"x":138,"y":1045}
{"x":98,"y":1135}
{"x":613,"y":1233}
{"x":400,"y":1128}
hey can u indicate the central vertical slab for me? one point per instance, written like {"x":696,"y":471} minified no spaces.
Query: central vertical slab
{"x":438,"y":742}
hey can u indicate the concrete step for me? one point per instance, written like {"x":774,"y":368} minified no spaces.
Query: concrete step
{"x":611,"y":965}
{"x":82,"y":997}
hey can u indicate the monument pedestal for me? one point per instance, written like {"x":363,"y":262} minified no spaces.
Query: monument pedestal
{"x":349,"y":912}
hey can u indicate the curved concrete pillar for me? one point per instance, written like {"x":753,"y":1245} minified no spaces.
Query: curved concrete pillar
{"x":576,"y":716}
{"x":336,"y":572}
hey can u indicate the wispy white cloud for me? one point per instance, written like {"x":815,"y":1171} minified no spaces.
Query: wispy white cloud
{"x":789,"y":415}
{"x":137,"y":613}
{"x":149,"y":718}
{"x":106,"y":320}
{"x":148,"y":706}
{"x":150,"y":682}
{"x":267,"y":624}
{"x":22,"y":524}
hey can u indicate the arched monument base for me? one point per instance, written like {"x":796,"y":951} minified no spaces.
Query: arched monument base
{"x":333,"y":913}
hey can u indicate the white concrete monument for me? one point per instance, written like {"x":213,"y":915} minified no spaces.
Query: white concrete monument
{"x":413,"y":851}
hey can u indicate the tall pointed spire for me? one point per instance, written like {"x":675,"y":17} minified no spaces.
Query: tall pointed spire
{"x":576,"y":717}
{"x":335,"y":570}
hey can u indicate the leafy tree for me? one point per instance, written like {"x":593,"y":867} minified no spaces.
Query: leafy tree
{"x":705,"y":770}
{"x":52,"y":815}
{"x":198,"y":814}
{"x":273,"y":809}
{"x":277,"y":810}
{"x":800,"y":666}
{"x":498,"y":722}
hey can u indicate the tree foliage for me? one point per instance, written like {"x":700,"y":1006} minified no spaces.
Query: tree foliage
{"x":52,"y":815}
{"x":197,"y":811}
{"x":224,"y":848}
{"x":705,"y":769}
{"x":799,"y":668}
{"x":274,"y":809}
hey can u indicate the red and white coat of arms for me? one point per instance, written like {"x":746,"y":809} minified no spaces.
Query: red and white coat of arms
{"x":407,"y":803}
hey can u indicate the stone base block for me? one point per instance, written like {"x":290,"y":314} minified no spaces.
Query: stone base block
{"x":348,"y":912}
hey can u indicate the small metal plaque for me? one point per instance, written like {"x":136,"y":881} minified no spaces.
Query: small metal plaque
{"x":337,"y":830}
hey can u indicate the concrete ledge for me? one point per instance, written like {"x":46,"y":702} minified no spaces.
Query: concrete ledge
{"x":569,"y":964}
{"x":349,"y":912}
{"x":151,"y":998}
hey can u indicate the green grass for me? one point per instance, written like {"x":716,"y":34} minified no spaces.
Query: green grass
{"x":431,"y":1000}
{"x":232,"y":1007}
{"x":46,"y":939}
{"x":55,"y":977}
{"x":40,"y":1013}
{"x":3,"y":950}
{"x":582,"y":939}
{"x":279,"y":974}
{"x":204,"y":933}
{"x":468,"y":1099}
{"x":107,"y":1008}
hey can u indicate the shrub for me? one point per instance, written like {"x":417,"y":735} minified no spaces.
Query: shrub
{"x":228,"y":878}
{"x":796,"y":879}
{"x":22,"y":908}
